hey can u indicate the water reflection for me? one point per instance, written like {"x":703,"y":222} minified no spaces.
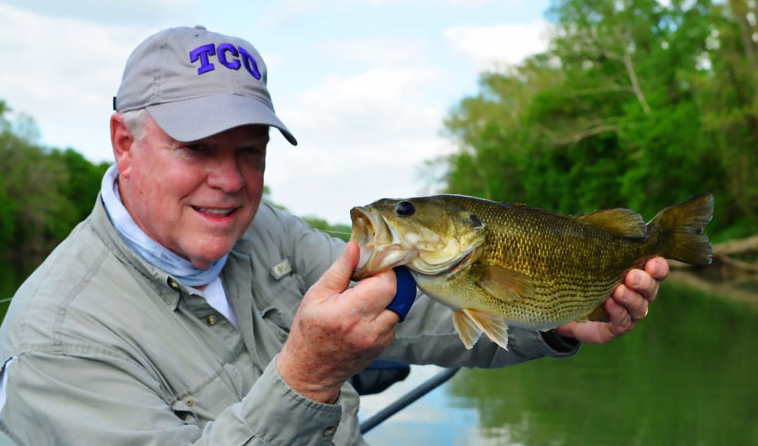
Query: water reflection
{"x":687,"y":376}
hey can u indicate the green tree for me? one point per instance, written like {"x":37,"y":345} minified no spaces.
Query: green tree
{"x":622,"y":110}
{"x":339,"y":230}
{"x":44,"y":192}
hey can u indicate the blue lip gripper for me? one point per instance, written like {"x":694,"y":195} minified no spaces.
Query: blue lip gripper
{"x":406,"y":292}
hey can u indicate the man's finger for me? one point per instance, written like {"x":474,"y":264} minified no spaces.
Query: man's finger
{"x":632,"y":302}
{"x":337,"y":277}
{"x":658,"y":268}
{"x":621,"y":320}
{"x":641,"y":282}
{"x":388,"y":318}
{"x":372,"y":294}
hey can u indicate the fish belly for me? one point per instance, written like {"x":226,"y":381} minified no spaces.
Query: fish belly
{"x":552,"y":304}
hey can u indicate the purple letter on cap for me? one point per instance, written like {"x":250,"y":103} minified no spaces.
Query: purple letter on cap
{"x":222,"y":49}
{"x":202,"y":52}
{"x":250,"y":65}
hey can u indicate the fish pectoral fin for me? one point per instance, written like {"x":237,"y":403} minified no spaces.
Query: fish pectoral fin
{"x":504,"y":284}
{"x":598,"y":315}
{"x":466,"y":328}
{"x":494,"y":327}
{"x":619,"y":222}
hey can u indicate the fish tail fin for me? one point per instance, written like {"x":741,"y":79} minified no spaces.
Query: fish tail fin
{"x":677,"y":231}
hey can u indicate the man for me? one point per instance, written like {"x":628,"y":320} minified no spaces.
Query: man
{"x":185,"y":311}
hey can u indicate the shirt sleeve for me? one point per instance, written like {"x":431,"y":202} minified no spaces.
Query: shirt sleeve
{"x":65,"y":400}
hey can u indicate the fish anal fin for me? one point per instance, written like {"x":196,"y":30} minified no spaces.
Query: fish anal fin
{"x":468,"y":331}
{"x":599,"y":314}
{"x":619,"y":222}
{"x":505,"y":284}
{"x":494,"y":327}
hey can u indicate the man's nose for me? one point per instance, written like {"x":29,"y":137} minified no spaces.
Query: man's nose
{"x":226,"y":174}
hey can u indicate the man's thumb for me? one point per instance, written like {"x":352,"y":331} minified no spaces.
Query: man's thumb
{"x":337,"y":277}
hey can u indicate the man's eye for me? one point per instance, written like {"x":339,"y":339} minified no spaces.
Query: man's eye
{"x":195,"y":147}
{"x":255,"y":151}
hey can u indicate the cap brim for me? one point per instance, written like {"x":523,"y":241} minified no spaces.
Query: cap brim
{"x":198,"y":118}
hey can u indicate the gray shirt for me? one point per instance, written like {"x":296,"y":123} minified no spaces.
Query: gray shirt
{"x":111,"y":350}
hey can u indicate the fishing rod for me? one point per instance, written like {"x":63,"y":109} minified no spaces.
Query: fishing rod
{"x":404,"y":401}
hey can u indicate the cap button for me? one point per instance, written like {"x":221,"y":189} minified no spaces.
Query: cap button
{"x":200,"y":27}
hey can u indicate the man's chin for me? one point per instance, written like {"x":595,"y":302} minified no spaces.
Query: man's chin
{"x":205,"y":259}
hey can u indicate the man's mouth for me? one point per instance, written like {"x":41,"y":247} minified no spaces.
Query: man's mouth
{"x":216,"y":212}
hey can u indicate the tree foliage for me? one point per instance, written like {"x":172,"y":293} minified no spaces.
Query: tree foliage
{"x":44,"y":192}
{"x":634,"y":104}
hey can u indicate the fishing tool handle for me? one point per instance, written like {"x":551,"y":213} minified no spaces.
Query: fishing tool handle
{"x":406,"y":292}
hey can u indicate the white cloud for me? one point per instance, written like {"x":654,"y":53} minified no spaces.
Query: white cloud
{"x":374,"y":106}
{"x":457,"y":3}
{"x":492,"y":46}
{"x":64,"y":73}
{"x":142,"y":12}
{"x":283,"y":11}
{"x":363,"y":136}
{"x":378,"y":52}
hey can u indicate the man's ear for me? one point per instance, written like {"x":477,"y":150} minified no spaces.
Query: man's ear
{"x":122,"y":141}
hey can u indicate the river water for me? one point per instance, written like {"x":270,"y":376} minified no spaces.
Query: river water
{"x":688,"y":375}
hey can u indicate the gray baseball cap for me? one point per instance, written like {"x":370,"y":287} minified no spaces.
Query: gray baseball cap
{"x":196,"y":83}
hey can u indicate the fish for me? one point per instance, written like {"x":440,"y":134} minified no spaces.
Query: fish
{"x":510,"y":264}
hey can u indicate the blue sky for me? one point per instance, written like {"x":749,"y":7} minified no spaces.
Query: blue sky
{"x":363,"y":84}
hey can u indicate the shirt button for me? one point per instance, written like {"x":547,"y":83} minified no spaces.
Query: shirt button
{"x":329,"y":431}
{"x":173,"y":283}
{"x":211,"y":319}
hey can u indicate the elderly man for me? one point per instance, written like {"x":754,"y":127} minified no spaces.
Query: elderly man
{"x":185,"y":311}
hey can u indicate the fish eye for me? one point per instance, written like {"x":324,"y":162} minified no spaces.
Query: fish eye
{"x":405,"y":209}
{"x":476,"y":221}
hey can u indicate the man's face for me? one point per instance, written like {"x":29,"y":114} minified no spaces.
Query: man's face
{"x":197,"y":198}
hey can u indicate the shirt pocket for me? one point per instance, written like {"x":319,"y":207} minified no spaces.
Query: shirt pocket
{"x":211,"y":397}
{"x":279,"y":307}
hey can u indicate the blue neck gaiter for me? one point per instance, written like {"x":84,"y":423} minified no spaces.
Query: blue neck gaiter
{"x":150,"y":250}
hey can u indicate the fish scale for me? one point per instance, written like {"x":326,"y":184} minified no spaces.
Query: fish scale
{"x":499,"y":264}
{"x":574,"y":266}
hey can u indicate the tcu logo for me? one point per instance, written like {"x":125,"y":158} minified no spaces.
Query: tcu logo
{"x":228,"y":55}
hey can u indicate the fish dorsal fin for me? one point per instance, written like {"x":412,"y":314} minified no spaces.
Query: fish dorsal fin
{"x":599,"y":314}
{"x":494,"y":327}
{"x":505,"y":284}
{"x":466,"y":328}
{"x":619,"y":222}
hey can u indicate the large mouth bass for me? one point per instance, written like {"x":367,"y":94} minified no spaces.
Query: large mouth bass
{"x":496,"y":264}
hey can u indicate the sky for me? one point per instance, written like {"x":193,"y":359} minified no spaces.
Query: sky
{"x":364,"y":85}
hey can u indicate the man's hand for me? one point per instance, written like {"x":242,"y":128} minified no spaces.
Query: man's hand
{"x":337,"y":332}
{"x":626,"y":307}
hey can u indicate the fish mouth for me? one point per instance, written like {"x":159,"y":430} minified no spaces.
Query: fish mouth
{"x":381,"y":247}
